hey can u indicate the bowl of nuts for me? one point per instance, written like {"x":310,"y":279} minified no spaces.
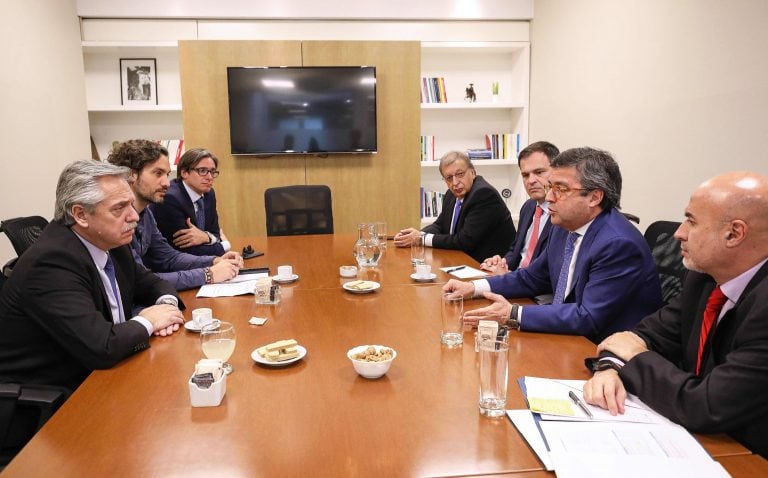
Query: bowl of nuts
{"x":371,"y":361}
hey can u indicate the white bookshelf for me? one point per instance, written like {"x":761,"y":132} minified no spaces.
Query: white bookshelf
{"x":461,"y":125}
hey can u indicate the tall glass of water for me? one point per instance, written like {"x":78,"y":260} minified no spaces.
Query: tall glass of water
{"x":218,"y":340}
{"x":418,"y":251}
{"x":494,"y":365}
{"x":452,"y":312}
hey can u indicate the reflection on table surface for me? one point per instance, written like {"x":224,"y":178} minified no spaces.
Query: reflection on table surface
{"x":316,"y":416}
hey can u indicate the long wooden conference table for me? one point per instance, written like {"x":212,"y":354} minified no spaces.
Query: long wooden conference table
{"x":316,"y":417}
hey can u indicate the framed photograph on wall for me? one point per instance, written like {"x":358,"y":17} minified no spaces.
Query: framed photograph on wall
{"x":138,"y":81}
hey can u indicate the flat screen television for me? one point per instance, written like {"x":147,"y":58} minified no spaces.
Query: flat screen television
{"x":302,"y":110}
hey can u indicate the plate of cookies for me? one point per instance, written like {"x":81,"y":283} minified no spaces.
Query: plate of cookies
{"x":280,"y":353}
{"x":361,"y":286}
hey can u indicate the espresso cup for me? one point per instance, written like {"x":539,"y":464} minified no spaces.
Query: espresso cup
{"x":284,"y":272}
{"x":202,"y":316}
{"x":423,"y":271}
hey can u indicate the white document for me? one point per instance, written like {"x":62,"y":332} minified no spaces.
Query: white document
{"x":628,"y":450}
{"x":246,"y":277}
{"x":224,"y":289}
{"x":526,"y":425}
{"x":465,"y":272}
{"x":557,"y":390}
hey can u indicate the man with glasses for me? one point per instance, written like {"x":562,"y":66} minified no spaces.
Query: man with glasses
{"x":597,"y":265}
{"x":187,"y":217}
{"x":474,"y":218}
{"x":150,"y":168}
{"x":534,"y":224}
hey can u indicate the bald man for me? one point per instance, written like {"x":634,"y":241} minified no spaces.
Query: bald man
{"x":702,"y":360}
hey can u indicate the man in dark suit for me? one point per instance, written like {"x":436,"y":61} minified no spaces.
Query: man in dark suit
{"x":66,"y":310}
{"x":534,"y":224}
{"x":187,"y":217}
{"x":597,"y":265}
{"x":474,"y":218}
{"x":702,"y":360}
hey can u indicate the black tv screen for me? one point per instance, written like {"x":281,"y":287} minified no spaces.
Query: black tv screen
{"x":302,"y":110}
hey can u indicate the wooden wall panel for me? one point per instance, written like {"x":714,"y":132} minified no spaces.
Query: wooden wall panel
{"x":381,"y":186}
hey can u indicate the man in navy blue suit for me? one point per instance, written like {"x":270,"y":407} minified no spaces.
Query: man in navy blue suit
{"x":596,"y":264}
{"x":187,"y":217}
{"x":534,"y":224}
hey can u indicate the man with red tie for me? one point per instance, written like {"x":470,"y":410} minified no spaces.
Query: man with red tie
{"x":702,"y":360}
{"x":534,"y":224}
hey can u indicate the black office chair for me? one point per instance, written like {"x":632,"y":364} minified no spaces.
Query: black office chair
{"x":23,"y":231}
{"x":297,"y":210}
{"x":668,"y":257}
{"x":631,"y":217}
{"x":24,"y":409}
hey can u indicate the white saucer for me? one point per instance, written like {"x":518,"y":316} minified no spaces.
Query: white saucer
{"x":374,"y":286}
{"x":293,"y":278}
{"x":259,"y":359}
{"x":432,"y":276}
{"x":192,"y":327}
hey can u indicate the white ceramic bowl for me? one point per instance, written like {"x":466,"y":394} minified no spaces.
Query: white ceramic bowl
{"x":370,"y":369}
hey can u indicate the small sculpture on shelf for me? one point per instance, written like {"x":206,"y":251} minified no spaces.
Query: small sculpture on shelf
{"x":471,"y":96}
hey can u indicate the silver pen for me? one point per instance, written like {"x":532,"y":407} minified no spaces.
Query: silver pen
{"x":581,"y":404}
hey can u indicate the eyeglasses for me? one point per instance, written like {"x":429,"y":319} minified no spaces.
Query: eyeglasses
{"x":456,"y":175}
{"x":205,"y":172}
{"x":559,"y":191}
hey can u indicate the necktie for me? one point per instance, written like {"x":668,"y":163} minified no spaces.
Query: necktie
{"x":534,"y":238}
{"x":200,"y":214}
{"x":715,"y":304}
{"x":456,"y":212}
{"x":109,"y":269}
{"x":562,"y":280}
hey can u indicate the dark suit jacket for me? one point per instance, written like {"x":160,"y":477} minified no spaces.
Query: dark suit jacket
{"x":615,"y":283}
{"x":526,"y":221}
{"x":171,"y":216}
{"x":731,"y":395}
{"x":55,"y":317}
{"x":484,"y":227}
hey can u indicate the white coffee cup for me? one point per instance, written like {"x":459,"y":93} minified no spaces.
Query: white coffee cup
{"x":423,"y":271}
{"x":201,"y":317}
{"x":284,"y":272}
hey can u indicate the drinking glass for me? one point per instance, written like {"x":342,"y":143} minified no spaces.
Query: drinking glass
{"x":452,"y":311}
{"x":218,"y":341}
{"x":418,"y":253}
{"x":494,"y":364}
{"x":381,"y":234}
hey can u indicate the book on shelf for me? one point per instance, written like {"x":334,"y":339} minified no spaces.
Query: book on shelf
{"x":427,"y":150}
{"x":433,"y":90}
{"x":175,"y":149}
{"x":479,"y":154}
{"x":503,"y":145}
{"x":431,"y":203}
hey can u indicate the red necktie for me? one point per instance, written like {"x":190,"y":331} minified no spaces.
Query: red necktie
{"x":714,"y":306}
{"x":534,"y":238}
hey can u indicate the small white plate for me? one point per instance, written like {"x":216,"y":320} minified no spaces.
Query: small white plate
{"x":279,"y":280}
{"x":192,"y":327}
{"x":374,"y":286}
{"x":432,"y":276}
{"x":259,"y":359}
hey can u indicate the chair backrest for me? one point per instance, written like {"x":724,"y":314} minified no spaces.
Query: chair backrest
{"x":23,"y":231}
{"x":631,"y":217}
{"x":301,"y":209}
{"x":668,"y":257}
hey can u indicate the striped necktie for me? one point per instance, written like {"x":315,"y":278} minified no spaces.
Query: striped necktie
{"x":534,"y":237}
{"x":109,"y":269}
{"x":715,"y":304}
{"x":562,"y":280}
{"x":200,"y":214}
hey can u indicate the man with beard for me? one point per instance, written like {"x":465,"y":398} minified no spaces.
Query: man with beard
{"x":149,"y":165}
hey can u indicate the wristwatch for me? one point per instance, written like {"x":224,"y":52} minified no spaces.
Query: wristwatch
{"x":512,"y":321}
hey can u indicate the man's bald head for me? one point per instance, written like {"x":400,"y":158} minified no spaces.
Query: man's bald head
{"x":726,"y":228}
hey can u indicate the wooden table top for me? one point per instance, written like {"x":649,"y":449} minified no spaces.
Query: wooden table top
{"x":316,"y":416}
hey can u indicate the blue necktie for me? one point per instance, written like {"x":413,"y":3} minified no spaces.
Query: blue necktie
{"x":456,"y":212}
{"x":200,"y":214}
{"x":562,"y":280}
{"x":109,"y":269}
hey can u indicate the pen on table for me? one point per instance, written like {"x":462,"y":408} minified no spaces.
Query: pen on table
{"x":455,"y":269}
{"x":578,"y":402}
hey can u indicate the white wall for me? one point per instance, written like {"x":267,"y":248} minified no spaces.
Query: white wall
{"x":43,"y":119}
{"x":676,"y":90}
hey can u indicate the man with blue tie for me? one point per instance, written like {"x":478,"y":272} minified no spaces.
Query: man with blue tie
{"x":187,"y":217}
{"x":68,"y":307}
{"x":473,"y":219}
{"x":534,"y":224}
{"x":597,"y":264}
